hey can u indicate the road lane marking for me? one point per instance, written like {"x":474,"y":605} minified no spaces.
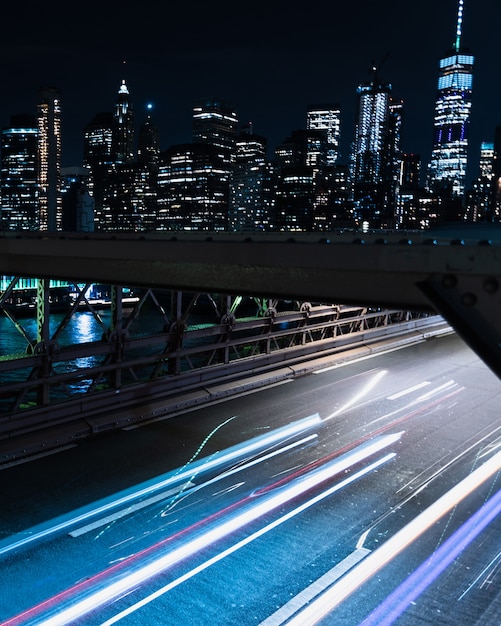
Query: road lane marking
{"x":405,"y":392}
{"x":444,"y":387}
{"x":296,"y":603}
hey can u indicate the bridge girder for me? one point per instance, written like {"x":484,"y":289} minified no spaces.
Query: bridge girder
{"x":458,"y":278}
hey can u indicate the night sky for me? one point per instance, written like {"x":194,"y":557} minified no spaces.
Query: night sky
{"x":269,"y":59}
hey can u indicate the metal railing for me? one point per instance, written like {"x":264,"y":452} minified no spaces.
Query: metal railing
{"x":163,"y":343}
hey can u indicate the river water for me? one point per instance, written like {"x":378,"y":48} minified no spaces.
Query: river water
{"x":82,"y":327}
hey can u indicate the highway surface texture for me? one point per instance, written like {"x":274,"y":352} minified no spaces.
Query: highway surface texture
{"x":364,"y":494}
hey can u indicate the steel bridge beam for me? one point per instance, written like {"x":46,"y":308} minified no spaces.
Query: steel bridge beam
{"x":459,"y":277}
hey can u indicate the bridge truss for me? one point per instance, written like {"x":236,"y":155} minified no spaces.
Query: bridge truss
{"x":160,"y":345}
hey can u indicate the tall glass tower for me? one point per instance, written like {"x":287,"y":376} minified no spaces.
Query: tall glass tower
{"x":447,"y":169}
{"x":376,"y":153}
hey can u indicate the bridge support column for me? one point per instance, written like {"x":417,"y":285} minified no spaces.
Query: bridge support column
{"x":176,"y":331}
{"x":42,"y":346}
{"x":117,"y":333}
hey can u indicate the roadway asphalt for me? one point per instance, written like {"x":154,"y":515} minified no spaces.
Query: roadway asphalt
{"x":364,"y":492}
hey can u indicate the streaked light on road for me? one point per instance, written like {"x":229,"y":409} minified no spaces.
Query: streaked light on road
{"x":84,"y":515}
{"x":397,"y":602}
{"x":373,"y":382}
{"x":333,"y":597}
{"x":246,"y":513}
{"x":262,"y":531}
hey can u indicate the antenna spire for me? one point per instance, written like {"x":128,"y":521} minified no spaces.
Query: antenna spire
{"x":459,"y":26}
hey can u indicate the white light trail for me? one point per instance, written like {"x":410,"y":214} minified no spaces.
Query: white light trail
{"x":262,"y":531}
{"x":484,"y":572}
{"x":358,"y":396}
{"x":177,"y":477}
{"x":187,"y":488}
{"x":266,"y":504}
{"x":334,"y":596}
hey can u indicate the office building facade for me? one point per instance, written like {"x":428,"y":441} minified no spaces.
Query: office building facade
{"x":49,"y":160}
{"x":252,"y":185}
{"x":19,"y":174}
{"x":193,"y":188}
{"x":97,"y":158}
{"x":215,"y":123}
{"x":326,"y":118}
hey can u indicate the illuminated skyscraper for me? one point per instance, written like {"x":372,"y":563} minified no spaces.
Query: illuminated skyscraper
{"x":122,"y":146}
{"x":146,"y":174}
{"x":49,"y":160}
{"x":300,"y":161}
{"x":447,"y":169}
{"x":19,"y":174}
{"x":208,"y":163}
{"x":376,"y":152}
{"x":252,"y":198}
{"x":97,"y":157}
{"x":193,"y":188}
{"x":478,"y":199}
{"x":215,"y":123}
{"x":97,"y":140}
{"x":326,"y":118}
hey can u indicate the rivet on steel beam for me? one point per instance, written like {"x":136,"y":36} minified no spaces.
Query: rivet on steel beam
{"x":491,"y":285}
{"x":468,"y":299}
{"x":449,"y":281}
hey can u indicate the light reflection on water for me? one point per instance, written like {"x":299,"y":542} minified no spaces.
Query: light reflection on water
{"x":82,"y":327}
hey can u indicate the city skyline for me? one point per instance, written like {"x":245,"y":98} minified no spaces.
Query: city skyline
{"x":269,"y":69}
